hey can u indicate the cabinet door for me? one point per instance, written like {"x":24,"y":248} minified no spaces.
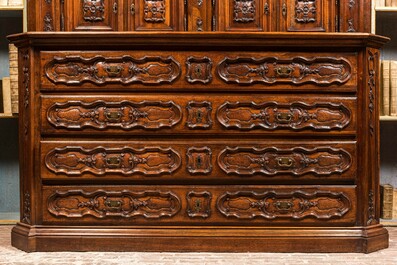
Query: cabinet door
{"x":91,"y":15}
{"x":307,"y":15}
{"x":156,"y":15}
{"x":245,"y":15}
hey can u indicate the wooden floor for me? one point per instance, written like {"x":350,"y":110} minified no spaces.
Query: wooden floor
{"x":12,"y":256}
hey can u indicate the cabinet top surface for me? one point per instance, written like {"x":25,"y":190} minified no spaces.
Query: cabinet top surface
{"x":189,"y":39}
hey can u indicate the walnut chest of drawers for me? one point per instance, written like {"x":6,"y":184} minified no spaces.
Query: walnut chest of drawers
{"x":199,"y":142}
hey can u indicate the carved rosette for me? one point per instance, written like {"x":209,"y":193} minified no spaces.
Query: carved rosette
{"x":298,"y":70}
{"x":292,"y":205}
{"x":102,"y":70}
{"x":273,"y":115}
{"x":105,"y":204}
{"x":296,"y":161}
{"x":244,"y":11}
{"x":125,"y":115}
{"x":199,"y":160}
{"x":154,"y":11}
{"x":93,"y":10}
{"x":199,"y":115}
{"x":199,"y":204}
{"x":199,"y":70}
{"x":305,"y":11}
{"x":100,"y":161}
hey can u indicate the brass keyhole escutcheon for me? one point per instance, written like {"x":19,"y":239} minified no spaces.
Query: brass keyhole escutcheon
{"x":284,"y":205}
{"x":113,"y":204}
{"x":284,"y":71}
{"x":285,"y":162}
{"x":113,"y":162}
{"x":198,"y":70}
{"x":199,"y":116}
{"x":284,"y":117}
{"x":113,"y":116}
{"x":197,"y":205}
{"x":113,"y":70}
{"x":199,"y":161}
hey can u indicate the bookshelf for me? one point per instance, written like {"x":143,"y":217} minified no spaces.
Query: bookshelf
{"x":12,"y":20}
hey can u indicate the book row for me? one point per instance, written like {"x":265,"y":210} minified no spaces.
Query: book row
{"x":388,"y":83}
{"x":388,"y":202}
{"x":385,"y":3}
{"x":9,"y":85}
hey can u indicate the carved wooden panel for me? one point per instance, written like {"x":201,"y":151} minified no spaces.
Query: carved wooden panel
{"x":297,"y":70}
{"x":107,"y":204}
{"x":275,"y":204}
{"x":199,"y":115}
{"x":199,"y":70}
{"x":75,"y":70}
{"x":241,"y":15}
{"x":125,"y":115}
{"x":199,"y":160}
{"x":272,"y":161}
{"x":76,"y":160}
{"x":200,"y":15}
{"x":157,"y":15}
{"x":91,"y":15}
{"x":293,"y":116}
{"x":199,"y":204}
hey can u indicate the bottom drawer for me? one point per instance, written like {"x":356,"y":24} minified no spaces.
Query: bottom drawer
{"x":204,"y":205}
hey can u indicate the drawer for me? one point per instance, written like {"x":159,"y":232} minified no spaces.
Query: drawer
{"x":199,"y":161}
{"x":201,"y":205}
{"x":177,"y":114}
{"x":193,"y":70}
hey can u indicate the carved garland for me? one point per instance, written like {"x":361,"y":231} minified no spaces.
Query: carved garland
{"x":372,"y":88}
{"x":105,"y":204}
{"x":293,"y":205}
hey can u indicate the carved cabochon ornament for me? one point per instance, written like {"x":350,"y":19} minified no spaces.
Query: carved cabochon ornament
{"x":298,"y":70}
{"x":100,"y":161}
{"x":296,"y":161}
{"x":125,"y":115}
{"x":294,"y":205}
{"x":105,"y":204}
{"x":102,"y":70}
{"x":273,"y":115}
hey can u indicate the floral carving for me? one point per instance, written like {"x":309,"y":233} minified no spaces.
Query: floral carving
{"x":244,"y":11}
{"x":154,"y":11}
{"x":93,"y":10}
{"x":305,"y":11}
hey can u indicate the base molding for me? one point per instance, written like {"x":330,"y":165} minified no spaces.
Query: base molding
{"x":205,"y":239}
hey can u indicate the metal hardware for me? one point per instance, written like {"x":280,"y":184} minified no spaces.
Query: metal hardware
{"x":284,"y":71}
{"x":115,"y":8}
{"x":132,"y":9}
{"x":285,"y":162}
{"x":113,"y":116}
{"x":266,"y":9}
{"x":113,"y":70}
{"x":113,"y":204}
{"x":197,"y":205}
{"x":199,"y":161}
{"x":284,"y":10}
{"x":113,"y":162}
{"x":283,"y":205}
{"x":284,"y":117}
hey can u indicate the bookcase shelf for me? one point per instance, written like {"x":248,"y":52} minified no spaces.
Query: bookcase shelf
{"x":388,"y":118}
{"x":8,"y":8}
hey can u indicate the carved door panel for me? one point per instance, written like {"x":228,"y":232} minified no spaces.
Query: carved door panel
{"x":156,"y":15}
{"x":92,"y":15}
{"x":199,"y":15}
{"x":307,"y":15}
{"x":245,"y":15}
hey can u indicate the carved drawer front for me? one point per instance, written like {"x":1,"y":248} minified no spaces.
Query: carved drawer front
{"x":145,"y":70}
{"x":198,"y":160}
{"x":179,"y":114}
{"x":227,"y":205}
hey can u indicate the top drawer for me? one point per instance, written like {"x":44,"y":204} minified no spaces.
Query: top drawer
{"x":192,"y":70}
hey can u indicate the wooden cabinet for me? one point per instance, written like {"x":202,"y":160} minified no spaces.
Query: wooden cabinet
{"x":199,"y":142}
{"x":199,"y":15}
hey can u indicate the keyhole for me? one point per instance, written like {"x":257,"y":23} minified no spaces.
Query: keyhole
{"x":198,"y":71}
{"x":199,"y":116}
{"x":199,"y":161}
{"x":197,"y":205}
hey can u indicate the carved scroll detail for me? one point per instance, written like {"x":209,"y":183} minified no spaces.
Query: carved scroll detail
{"x":93,"y":10}
{"x":154,"y":11}
{"x":125,"y":115}
{"x":292,"y":205}
{"x":305,"y":11}
{"x":295,"y":161}
{"x":244,"y":11}
{"x":199,"y":204}
{"x":100,"y":161}
{"x":104,"y":204}
{"x":298,"y":70}
{"x":101,"y":70}
{"x":273,"y":115}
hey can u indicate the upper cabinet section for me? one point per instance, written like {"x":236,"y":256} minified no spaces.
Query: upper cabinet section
{"x":200,"y":15}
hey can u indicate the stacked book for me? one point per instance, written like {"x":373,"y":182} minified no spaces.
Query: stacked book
{"x":6,"y":96}
{"x":13,"y":60}
{"x":388,"y":200}
{"x":11,"y":3}
{"x":388,"y":104}
{"x":385,"y":3}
